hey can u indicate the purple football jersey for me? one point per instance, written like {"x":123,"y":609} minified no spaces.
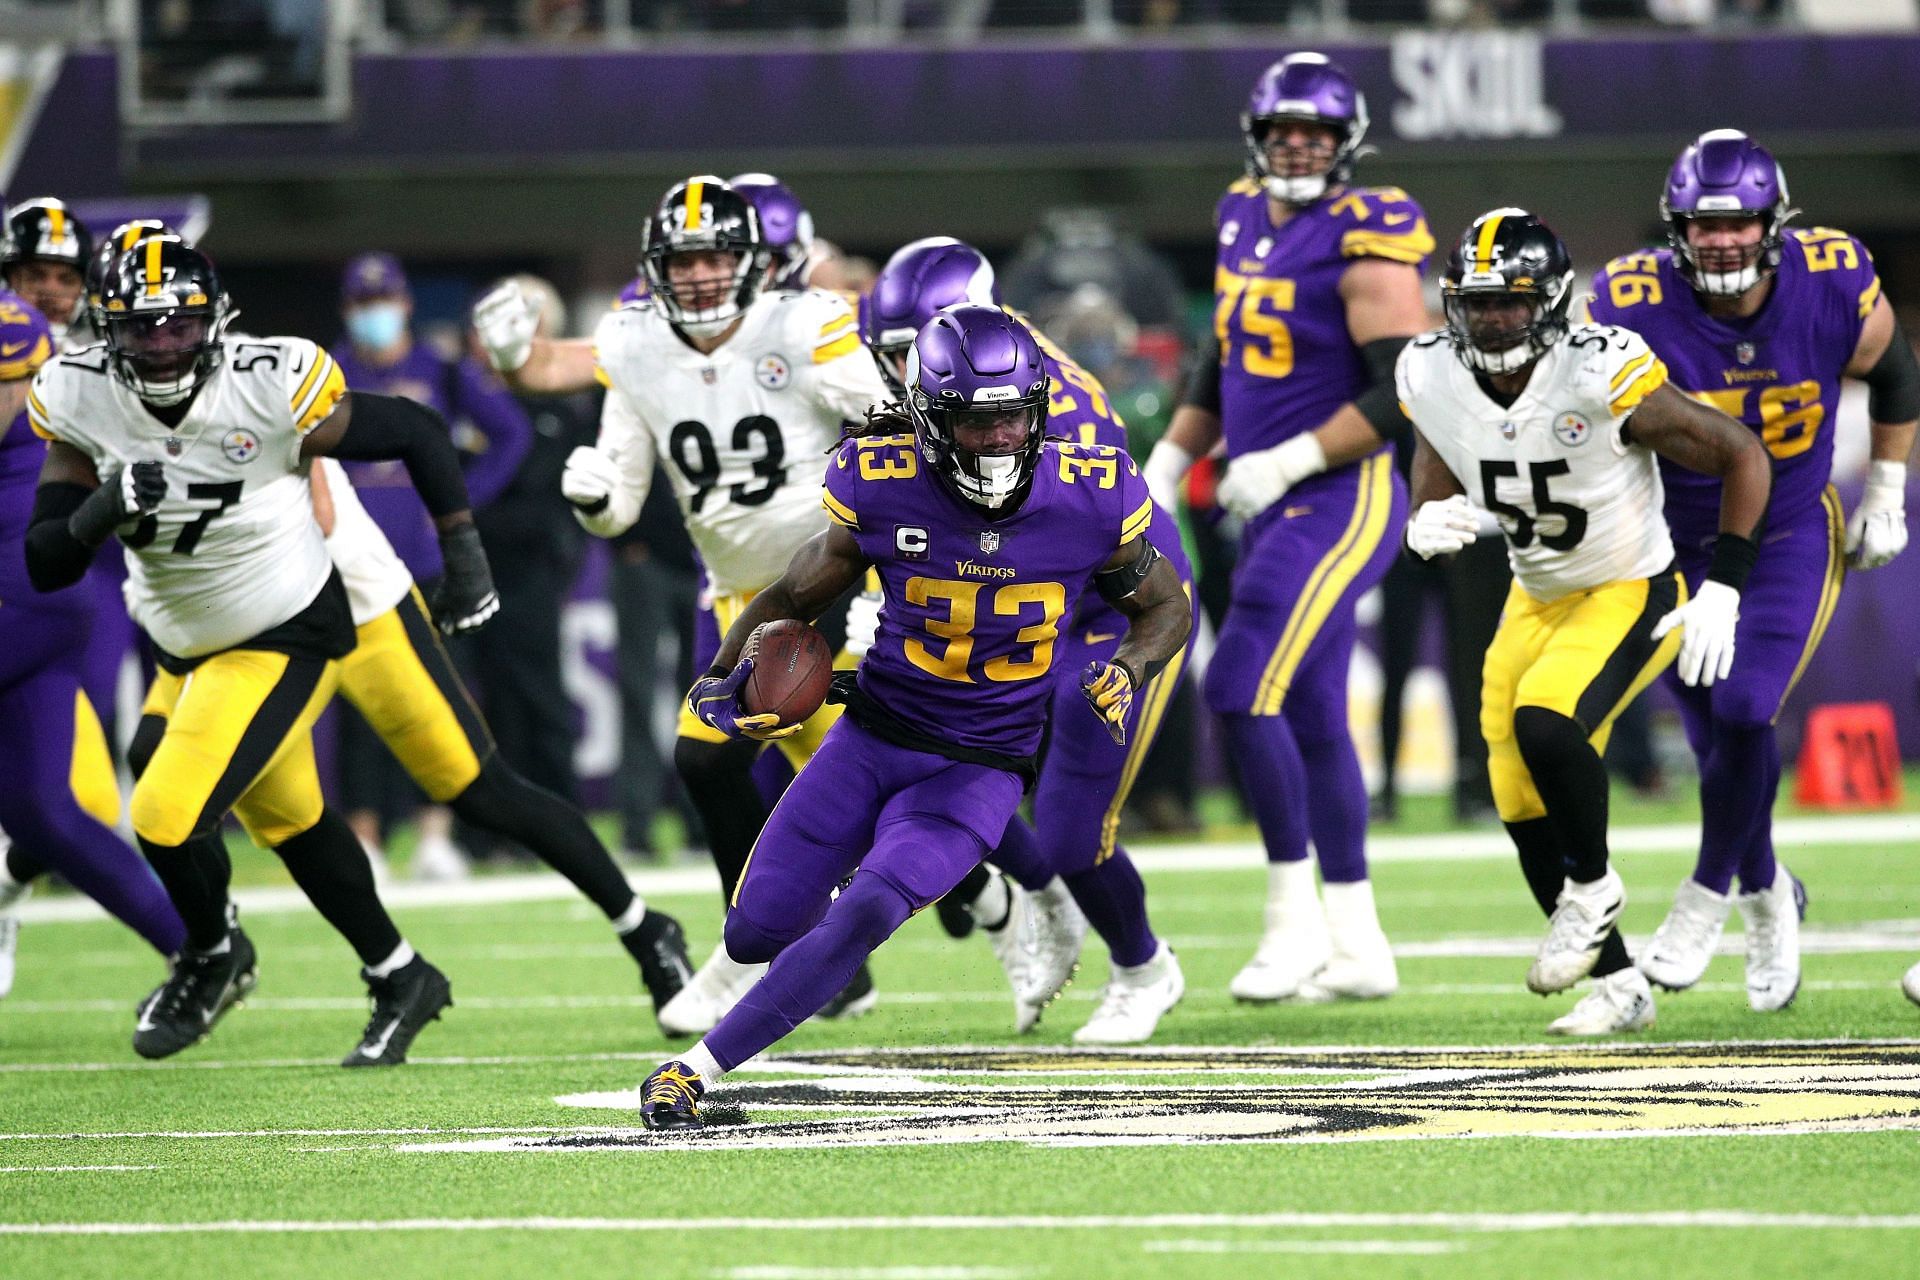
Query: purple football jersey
{"x":974,"y":607}
{"x":21,"y":455}
{"x":1287,"y":360}
{"x":1778,"y":371}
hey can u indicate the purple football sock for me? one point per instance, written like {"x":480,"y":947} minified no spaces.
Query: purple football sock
{"x":1736,"y":799}
{"x":1020,"y":856}
{"x":1114,"y":899}
{"x":1757,"y":868}
{"x":1337,"y":815}
{"x":1275,"y":779}
{"x":812,"y":971}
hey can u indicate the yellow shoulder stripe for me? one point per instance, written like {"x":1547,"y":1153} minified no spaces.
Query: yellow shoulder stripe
{"x":1643,"y":386}
{"x":1403,"y":246}
{"x":600,"y":375}
{"x":1632,"y":367}
{"x":1136,"y":524}
{"x":836,"y":324}
{"x":37,"y":416}
{"x":1869,"y":296}
{"x":838,"y":511}
{"x":845,"y":344}
{"x":321,"y":361}
{"x":1244,"y":187}
{"x":331,"y":386}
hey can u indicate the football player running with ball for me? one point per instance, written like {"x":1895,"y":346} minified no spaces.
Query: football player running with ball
{"x":1317,"y":288}
{"x":1557,"y":430}
{"x":1763,"y":323}
{"x":986,"y":535}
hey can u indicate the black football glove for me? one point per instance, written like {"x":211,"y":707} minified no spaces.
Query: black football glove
{"x":466,"y":598}
{"x":126,"y":493}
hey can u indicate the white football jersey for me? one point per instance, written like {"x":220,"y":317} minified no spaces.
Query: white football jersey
{"x":234,"y":549}
{"x":743,"y":433}
{"x":375,"y":577}
{"x":1580,"y":505}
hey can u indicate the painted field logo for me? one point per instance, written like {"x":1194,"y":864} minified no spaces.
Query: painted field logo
{"x":1170,"y":1096}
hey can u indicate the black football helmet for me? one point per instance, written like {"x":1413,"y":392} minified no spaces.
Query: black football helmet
{"x":45,"y":230}
{"x":165,"y":317}
{"x":1506,"y":255}
{"x":123,"y":238}
{"x":705,"y":214}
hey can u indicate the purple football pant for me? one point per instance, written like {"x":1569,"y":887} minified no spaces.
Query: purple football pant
{"x":1279,"y":674}
{"x":1784,"y":611}
{"x":904,"y":824}
{"x":41,"y":655}
{"x":1084,"y":781}
{"x":110,"y":635}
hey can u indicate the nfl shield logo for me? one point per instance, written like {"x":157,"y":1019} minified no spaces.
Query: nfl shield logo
{"x":709,"y":375}
{"x":1508,"y":431}
{"x":173,"y":446}
{"x":1744,"y":353}
{"x":989,"y":541}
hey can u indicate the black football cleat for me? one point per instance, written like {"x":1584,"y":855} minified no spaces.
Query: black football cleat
{"x":660,"y":946}
{"x":183,"y":1009}
{"x":856,"y":998}
{"x":404,"y":1002}
{"x":670,"y":1099}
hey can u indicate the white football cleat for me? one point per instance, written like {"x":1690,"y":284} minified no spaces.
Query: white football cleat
{"x":1684,"y":942}
{"x":1911,"y":984}
{"x":1773,"y":917}
{"x":11,"y":896}
{"x":1294,"y":945}
{"x":1055,"y":931}
{"x":438,"y":860}
{"x":1134,"y":1001}
{"x":1618,"y":1002}
{"x":1581,"y":921}
{"x":713,"y":990}
{"x":1361,"y":966}
{"x":1012,"y":943}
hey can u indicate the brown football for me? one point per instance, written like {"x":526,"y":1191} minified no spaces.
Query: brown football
{"x":792,"y":669}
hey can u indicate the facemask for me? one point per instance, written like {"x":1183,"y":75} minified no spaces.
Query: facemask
{"x":377,"y":325}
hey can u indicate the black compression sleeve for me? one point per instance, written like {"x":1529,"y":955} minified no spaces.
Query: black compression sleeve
{"x":55,"y":558}
{"x":384,"y":427}
{"x":1379,"y":404}
{"x":1893,"y":384}
{"x":1203,"y":385}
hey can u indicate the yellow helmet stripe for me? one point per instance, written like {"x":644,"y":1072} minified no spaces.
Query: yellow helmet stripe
{"x":1483,"y":251}
{"x":56,"y":226}
{"x":694,"y":190}
{"x":131,"y":236}
{"x":153,"y":268}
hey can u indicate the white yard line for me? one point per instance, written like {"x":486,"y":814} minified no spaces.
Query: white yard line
{"x":1460,"y":846}
{"x":1416,"y":1247}
{"x":79,"y":1168}
{"x":1706,"y":1219}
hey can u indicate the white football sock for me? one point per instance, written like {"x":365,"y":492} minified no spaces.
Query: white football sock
{"x":402,"y":957}
{"x":701,"y":1059}
{"x":630,"y":919}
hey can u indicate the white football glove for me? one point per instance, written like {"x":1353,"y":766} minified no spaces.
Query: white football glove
{"x":505,"y":320}
{"x":863,"y":623}
{"x":1706,"y":644}
{"x":1878,"y":531}
{"x":1442,"y":528}
{"x":1257,"y":480}
{"x":590,"y":480}
{"x":1167,"y":465}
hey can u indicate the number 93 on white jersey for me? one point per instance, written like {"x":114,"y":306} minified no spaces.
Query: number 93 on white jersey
{"x":1580,"y":505}
{"x":234,"y":549}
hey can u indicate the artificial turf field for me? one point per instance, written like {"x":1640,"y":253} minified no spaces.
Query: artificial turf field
{"x":1434,"y":1134}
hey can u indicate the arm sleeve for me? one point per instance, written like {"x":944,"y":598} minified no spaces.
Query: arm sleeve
{"x":394,"y":427}
{"x":624,"y":437}
{"x":1203,"y":384}
{"x":486,"y":403}
{"x":55,"y":558}
{"x":1379,"y":404}
{"x":1893,"y":384}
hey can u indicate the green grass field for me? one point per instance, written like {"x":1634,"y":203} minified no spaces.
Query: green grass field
{"x":1433,"y":1134}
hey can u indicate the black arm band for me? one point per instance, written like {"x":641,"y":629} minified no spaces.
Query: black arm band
{"x":1117,"y":585}
{"x":1893,"y":384}
{"x":1203,"y":385}
{"x":55,"y":558}
{"x":394,"y":427}
{"x":1379,"y":404}
{"x":1733,"y":558}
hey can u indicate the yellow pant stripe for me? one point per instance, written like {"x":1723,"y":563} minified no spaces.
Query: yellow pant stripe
{"x":401,"y":680}
{"x":1829,"y":592}
{"x":90,"y":774}
{"x":799,"y":748}
{"x":1329,"y":581}
{"x":1158,"y":694}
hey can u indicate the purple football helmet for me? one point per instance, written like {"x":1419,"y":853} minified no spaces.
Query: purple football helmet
{"x":785,"y":223}
{"x":1725,"y":174}
{"x":919,"y":281}
{"x":978,"y":401}
{"x":1304,"y":86}
{"x":26,"y":340}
